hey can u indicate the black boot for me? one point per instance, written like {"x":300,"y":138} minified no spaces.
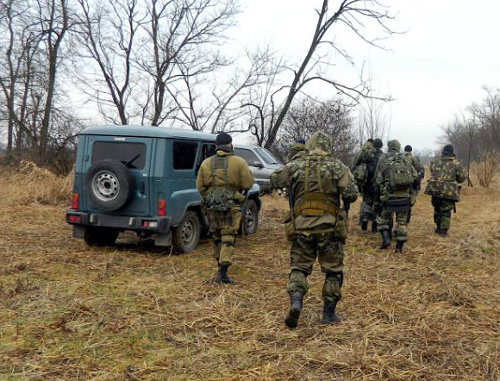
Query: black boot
{"x":329,"y":315}
{"x":292,"y":317}
{"x":364,"y":225}
{"x":386,"y":239}
{"x":222,"y":277}
{"x":374,"y":226}
{"x":399,"y":246}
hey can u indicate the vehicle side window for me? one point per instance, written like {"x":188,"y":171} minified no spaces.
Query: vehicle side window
{"x":248,"y":155}
{"x":184,"y":154}
{"x":207,"y":150}
{"x":133,"y":155}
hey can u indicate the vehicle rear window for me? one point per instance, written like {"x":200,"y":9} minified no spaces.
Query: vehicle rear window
{"x":248,"y":155}
{"x":184,"y":154}
{"x":133,"y":155}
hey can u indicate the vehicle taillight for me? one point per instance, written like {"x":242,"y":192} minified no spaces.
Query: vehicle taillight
{"x":73,"y":218}
{"x":74,"y":201}
{"x":162,"y":208}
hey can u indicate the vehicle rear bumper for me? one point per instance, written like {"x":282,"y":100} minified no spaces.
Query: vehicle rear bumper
{"x":153,"y":224}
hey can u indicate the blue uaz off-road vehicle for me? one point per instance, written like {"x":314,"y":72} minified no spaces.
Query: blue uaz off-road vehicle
{"x":144,"y":179}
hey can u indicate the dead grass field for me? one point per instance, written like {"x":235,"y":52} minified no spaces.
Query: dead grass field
{"x":134,"y":312}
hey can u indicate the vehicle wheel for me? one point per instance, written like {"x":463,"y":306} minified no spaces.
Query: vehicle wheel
{"x":109,"y":185}
{"x":99,"y":236}
{"x":187,"y":234}
{"x":251,"y":218}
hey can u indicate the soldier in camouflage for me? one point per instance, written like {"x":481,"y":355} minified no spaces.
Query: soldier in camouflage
{"x":367,"y":187}
{"x":296,"y":149}
{"x":221,"y":182}
{"x":364,"y":154}
{"x":394,"y":178}
{"x":317,"y":182}
{"x":446,"y":174}
{"x":420,"y":170}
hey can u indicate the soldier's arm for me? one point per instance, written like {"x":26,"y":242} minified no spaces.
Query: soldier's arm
{"x":201,"y":183}
{"x":247,"y":179}
{"x":416,"y":164}
{"x":347,"y":187}
{"x":378,"y":185}
{"x":280,"y":178}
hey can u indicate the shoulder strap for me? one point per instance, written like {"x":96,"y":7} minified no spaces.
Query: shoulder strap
{"x":318,"y":175}
{"x":306,"y":180}
{"x":219,"y":162}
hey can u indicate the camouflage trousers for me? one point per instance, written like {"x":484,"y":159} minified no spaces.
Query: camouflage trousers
{"x":329,"y":251}
{"x":385,"y":222}
{"x":366,"y":212}
{"x":224,"y":228}
{"x":442,"y":212}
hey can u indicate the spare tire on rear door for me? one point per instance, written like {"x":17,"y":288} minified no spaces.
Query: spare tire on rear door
{"x":109,"y":185}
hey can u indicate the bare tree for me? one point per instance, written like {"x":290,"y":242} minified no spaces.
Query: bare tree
{"x":207,"y":104}
{"x":351,"y":13}
{"x":17,"y":46}
{"x":32,"y":52}
{"x":107,"y":32}
{"x":308,"y":116}
{"x":373,"y":121}
{"x":54,"y":23}
{"x":180,"y":47}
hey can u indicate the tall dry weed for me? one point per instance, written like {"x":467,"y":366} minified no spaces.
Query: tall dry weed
{"x":35,"y":184}
{"x":486,"y":168}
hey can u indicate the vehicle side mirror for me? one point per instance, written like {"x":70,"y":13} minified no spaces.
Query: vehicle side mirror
{"x":257,"y":164}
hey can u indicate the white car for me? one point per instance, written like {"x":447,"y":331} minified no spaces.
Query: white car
{"x":262,"y":163}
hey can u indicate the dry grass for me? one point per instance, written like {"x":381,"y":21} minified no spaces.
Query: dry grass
{"x":34,"y":184}
{"x":133,"y":312}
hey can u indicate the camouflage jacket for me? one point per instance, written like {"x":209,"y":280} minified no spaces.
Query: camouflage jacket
{"x":239,"y":177}
{"x":369,"y":187}
{"x":327,"y":176}
{"x":296,"y":150}
{"x":415,"y":162}
{"x":365,"y":155}
{"x":446,"y":174}
{"x":383,"y":190}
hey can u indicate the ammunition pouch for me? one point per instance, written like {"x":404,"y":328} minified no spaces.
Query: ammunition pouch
{"x":314,"y":205}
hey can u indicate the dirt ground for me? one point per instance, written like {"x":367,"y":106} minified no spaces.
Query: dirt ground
{"x":136,"y":312}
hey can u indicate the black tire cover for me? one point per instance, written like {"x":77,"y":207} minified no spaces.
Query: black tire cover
{"x":109,"y":185}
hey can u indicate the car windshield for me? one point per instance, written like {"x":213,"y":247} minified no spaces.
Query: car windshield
{"x":267,"y":156}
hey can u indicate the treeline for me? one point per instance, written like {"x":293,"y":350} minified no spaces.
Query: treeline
{"x":66,"y":63}
{"x":475,"y":135}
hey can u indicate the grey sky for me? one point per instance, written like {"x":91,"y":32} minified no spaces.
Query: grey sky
{"x":433,"y":71}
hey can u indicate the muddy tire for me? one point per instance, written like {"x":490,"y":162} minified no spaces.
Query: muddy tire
{"x":109,"y":185}
{"x":251,"y":218}
{"x":187,"y":234}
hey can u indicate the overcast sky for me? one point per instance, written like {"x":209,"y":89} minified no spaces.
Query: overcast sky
{"x":433,"y":71}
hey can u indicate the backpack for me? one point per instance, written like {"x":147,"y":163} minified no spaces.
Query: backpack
{"x":443,"y":180}
{"x":360,"y":174}
{"x":400,"y":172}
{"x":219,"y":199}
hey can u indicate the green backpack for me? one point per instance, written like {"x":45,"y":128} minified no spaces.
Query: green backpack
{"x":219,"y":199}
{"x":360,"y":174}
{"x":400,"y":172}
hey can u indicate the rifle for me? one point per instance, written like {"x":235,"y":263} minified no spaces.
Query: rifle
{"x":244,"y":211}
